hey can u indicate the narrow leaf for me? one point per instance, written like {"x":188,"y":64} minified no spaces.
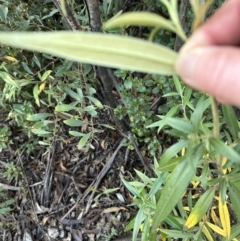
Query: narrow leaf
{"x":98,"y":49}
{"x":171,"y":152}
{"x":139,"y":19}
{"x":180,"y":125}
{"x":200,"y":13}
{"x":45,"y":75}
{"x":206,"y":232}
{"x":133,"y":190}
{"x":200,"y":208}
{"x":176,"y":185}
{"x":178,"y":85}
{"x":139,"y":219}
{"x":95,"y":101}
{"x":224,"y":217}
{"x":176,"y":233}
{"x":83,"y":140}
{"x":225,"y":150}
{"x":71,"y":122}
{"x":35,"y":94}
{"x":40,"y":132}
{"x":216,"y":229}
{"x":37,"y":117}
{"x":235,"y":197}
{"x":26,"y":68}
{"x":65,"y":107}
{"x":76,"y":133}
{"x":231,"y":120}
{"x":73,"y":94}
{"x":7,"y":78}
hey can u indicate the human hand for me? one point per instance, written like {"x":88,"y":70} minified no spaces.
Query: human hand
{"x":210,"y":60}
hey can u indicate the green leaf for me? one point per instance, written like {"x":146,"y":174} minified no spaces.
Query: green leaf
{"x":177,"y":85}
{"x":231,"y":120}
{"x":97,"y":48}
{"x":225,"y":150}
{"x":3,"y":12}
{"x":197,"y":115}
{"x":160,"y":124}
{"x":143,"y":177}
{"x":65,"y":107}
{"x":73,"y":94}
{"x":95,"y":101}
{"x":133,"y":190}
{"x":7,"y":78}
{"x":170,"y":164}
{"x":176,"y":184}
{"x":5,"y":211}
{"x":200,"y":208}
{"x":36,"y":61}
{"x":128,"y":83}
{"x":40,"y":132}
{"x":71,"y":122}
{"x":175,"y":222}
{"x":171,"y":152}
{"x":107,"y":126}
{"x":157,"y":184}
{"x":130,"y":225}
{"x":45,"y":75}
{"x":37,"y":117}
{"x":180,"y":125}
{"x":76,"y":133}
{"x":235,"y":197}
{"x":35,"y":94}
{"x":26,"y":68}
{"x":176,"y":233}
{"x":83,"y":140}
{"x":138,"y":221}
{"x":146,"y":228}
{"x":139,"y":19}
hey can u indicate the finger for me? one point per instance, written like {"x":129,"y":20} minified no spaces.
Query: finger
{"x":214,"y":70}
{"x":221,"y":29}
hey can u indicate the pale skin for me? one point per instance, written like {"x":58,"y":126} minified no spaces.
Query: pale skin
{"x":210,"y":60}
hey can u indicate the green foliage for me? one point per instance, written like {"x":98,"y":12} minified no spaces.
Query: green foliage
{"x":4,"y":204}
{"x":196,"y":182}
{"x":4,"y":137}
{"x":12,"y":171}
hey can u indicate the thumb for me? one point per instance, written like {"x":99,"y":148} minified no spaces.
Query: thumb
{"x":212,"y":69}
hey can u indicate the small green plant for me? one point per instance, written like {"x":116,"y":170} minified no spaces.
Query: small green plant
{"x":4,"y":204}
{"x":4,"y":137}
{"x":12,"y":171}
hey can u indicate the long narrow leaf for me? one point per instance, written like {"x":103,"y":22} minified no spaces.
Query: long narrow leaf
{"x":231,"y":120}
{"x":224,"y":217}
{"x":175,"y":185}
{"x":216,"y":228}
{"x":97,"y":48}
{"x":171,"y":152}
{"x":206,"y":232}
{"x":139,"y":19}
{"x":180,"y":125}
{"x":200,"y":208}
{"x":235,"y":197}
{"x":225,"y":150}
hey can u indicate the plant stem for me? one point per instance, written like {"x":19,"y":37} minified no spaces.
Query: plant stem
{"x":216,"y":132}
{"x":216,"y":129}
